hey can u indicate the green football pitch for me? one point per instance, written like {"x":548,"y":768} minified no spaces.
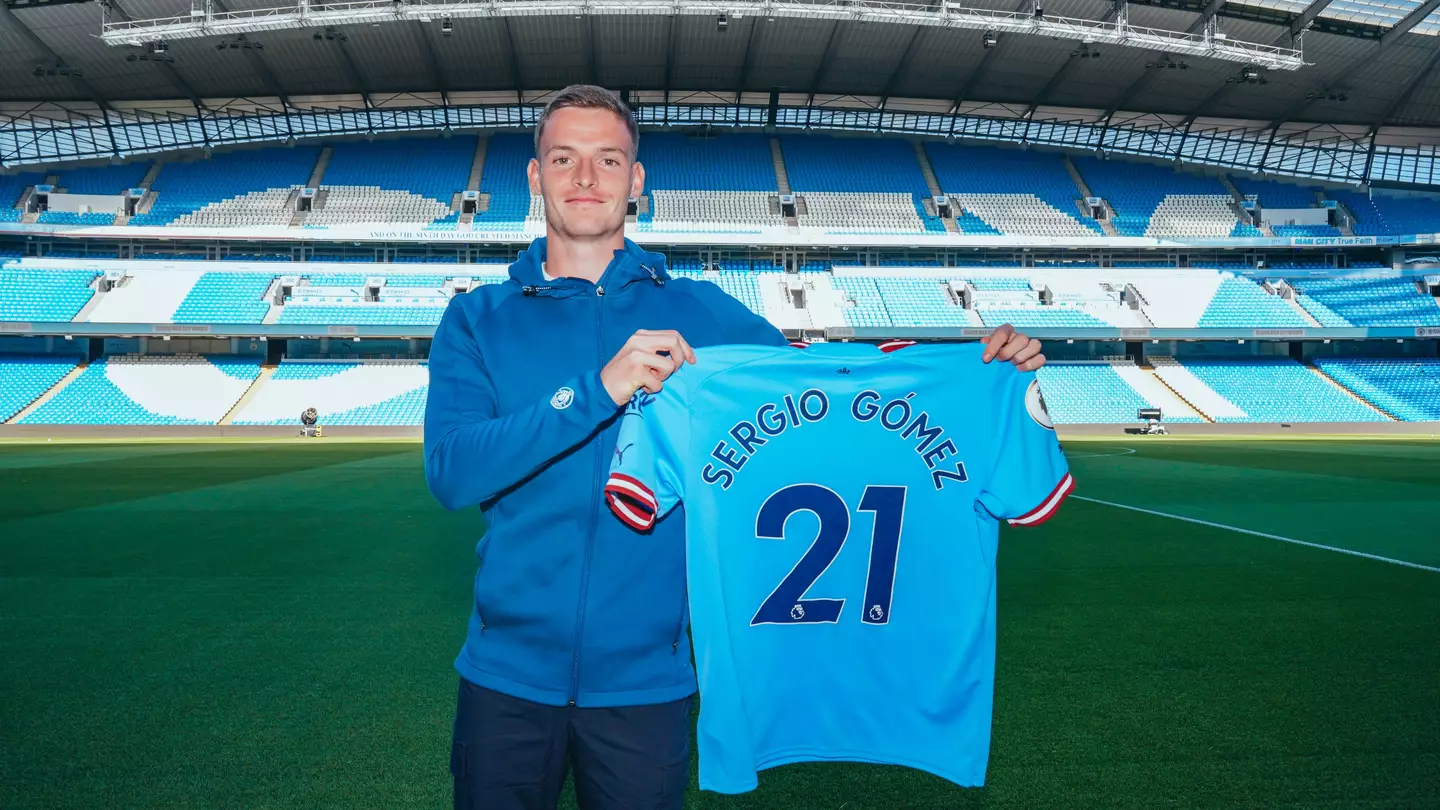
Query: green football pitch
{"x":271,"y":625}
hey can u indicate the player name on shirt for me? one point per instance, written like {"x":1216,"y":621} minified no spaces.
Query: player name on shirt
{"x":897,"y":415}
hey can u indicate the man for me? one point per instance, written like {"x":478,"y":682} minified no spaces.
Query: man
{"x":576,"y":656}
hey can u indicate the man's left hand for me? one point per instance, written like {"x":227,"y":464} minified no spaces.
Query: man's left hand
{"x":1013,"y":347}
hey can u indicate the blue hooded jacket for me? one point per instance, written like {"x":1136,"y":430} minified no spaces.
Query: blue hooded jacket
{"x":571,"y":605}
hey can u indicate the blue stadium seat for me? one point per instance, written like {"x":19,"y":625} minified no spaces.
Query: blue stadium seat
{"x":1078,"y":393}
{"x":11,"y":187}
{"x":1407,"y":389}
{"x":226,"y":298}
{"x":722,"y":163}
{"x":74,"y":218}
{"x":183,"y":188}
{"x":103,"y":179}
{"x":1380,"y":214}
{"x":1278,"y":390}
{"x":23,"y":378}
{"x":506,"y":156}
{"x":430,"y":167}
{"x":1274,"y":194}
{"x":1135,"y":189}
{"x":1373,"y":301}
{"x":989,"y":170}
{"x":96,"y":396}
{"x":1241,"y":303}
{"x":34,"y":294}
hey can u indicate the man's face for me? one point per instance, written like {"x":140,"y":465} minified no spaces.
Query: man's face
{"x":585,"y":173}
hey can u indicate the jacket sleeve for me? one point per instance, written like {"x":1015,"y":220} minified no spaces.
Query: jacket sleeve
{"x":471,"y":453}
{"x":737,"y":321}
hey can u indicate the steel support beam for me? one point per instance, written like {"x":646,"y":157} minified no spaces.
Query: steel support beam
{"x":437,"y":72}
{"x":591,"y":71}
{"x":1308,"y":16}
{"x":669,"y":54}
{"x":514,"y":61}
{"x":747,"y":61}
{"x":900,"y":67}
{"x":1414,"y":18}
{"x":825,"y":60}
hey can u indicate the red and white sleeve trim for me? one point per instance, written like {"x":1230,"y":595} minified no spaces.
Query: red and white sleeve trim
{"x":1047,"y":507}
{"x":799,"y":344}
{"x":631,"y":501}
{"x":895,"y":345}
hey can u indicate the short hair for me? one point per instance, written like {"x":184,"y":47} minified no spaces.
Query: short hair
{"x":590,"y":97}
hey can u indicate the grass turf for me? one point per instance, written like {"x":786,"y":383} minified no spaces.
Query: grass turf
{"x":271,"y":625}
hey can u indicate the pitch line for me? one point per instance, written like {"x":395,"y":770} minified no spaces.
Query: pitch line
{"x":1124,"y":451}
{"x":1321,"y":546}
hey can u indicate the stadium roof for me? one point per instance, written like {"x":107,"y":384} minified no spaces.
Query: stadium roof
{"x":1370,"y":62}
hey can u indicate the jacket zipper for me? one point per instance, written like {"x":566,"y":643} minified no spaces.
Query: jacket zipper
{"x":680,"y":622}
{"x":595,"y":489}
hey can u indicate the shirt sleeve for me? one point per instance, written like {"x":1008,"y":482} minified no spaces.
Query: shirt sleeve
{"x":647,"y":471}
{"x":1029,"y":476}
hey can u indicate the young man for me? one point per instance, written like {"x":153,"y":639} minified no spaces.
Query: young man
{"x":576,"y":656}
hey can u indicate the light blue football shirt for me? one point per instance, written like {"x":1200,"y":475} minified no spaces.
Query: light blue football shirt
{"x":842,"y":507}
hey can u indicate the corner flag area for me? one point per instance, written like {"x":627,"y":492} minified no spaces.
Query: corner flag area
{"x":243,"y":624}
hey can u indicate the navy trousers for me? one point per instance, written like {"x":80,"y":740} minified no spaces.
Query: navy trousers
{"x":512,"y":754}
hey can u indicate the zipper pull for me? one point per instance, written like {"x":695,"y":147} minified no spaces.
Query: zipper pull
{"x":599,"y":290}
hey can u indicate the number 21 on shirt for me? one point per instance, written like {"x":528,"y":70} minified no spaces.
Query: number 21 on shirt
{"x":787,"y":604}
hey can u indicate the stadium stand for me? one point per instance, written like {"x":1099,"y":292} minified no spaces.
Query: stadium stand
{"x":913,"y":301}
{"x":183,"y":389}
{"x":74,"y":218}
{"x":1379,"y":214}
{"x":1102,"y":393}
{"x":230,"y":189}
{"x":387,"y":392}
{"x":1407,"y":389}
{"x":394,"y":181}
{"x":1325,"y":315}
{"x":1240,"y":302}
{"x":506,"y":156}
{"x":1372,"y":301}
{"x":675,"y":162}
{"x":1010,"y":191}
{"x":226,"y":298}
{"x":678,"y":210}
{"x":1151,"y":200}
{"x":1277,"y":390}
{"x":23,"y":378}
{"x":328,"y":310}
{"x":44,"y":294}
{"x":1274,"y":194}
{"x":1040,"y":316}
{"x":103,"y":179}
{"x":854,"y":185}
{"x":12,"y":186}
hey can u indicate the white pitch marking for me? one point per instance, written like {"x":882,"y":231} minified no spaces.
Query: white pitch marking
{"x":1351,"y":552}
{"x":1124,"y":451}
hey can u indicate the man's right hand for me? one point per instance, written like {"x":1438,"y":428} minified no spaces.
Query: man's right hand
{"x":639,"y":363}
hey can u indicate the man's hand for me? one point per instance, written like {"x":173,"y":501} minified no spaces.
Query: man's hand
{"x":639,"y":363}
{"x":1014,"y":347}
